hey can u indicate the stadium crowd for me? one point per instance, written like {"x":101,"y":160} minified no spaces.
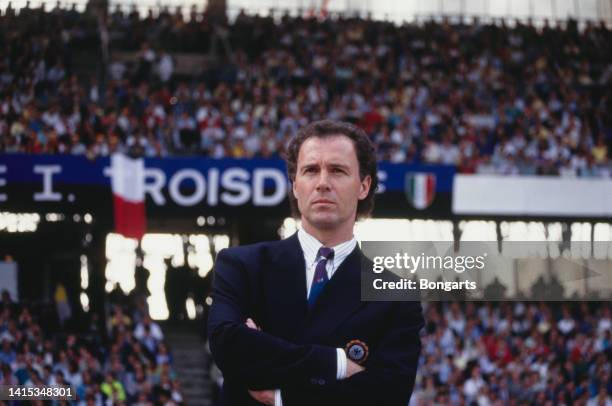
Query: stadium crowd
{"x":516,"y":353}
{"x":134,"y":366}
{"x":490,"y":98}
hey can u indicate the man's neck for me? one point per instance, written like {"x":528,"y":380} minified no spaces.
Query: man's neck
{"x":331,"y":237}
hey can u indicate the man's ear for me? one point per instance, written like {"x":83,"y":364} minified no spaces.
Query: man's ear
{"x":364,"y":187}
{"x":293,"y":189}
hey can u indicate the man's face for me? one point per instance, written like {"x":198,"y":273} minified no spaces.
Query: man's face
{"x":327,"y":184}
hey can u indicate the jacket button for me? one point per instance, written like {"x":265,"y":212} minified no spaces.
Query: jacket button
{"x":321,"y":381}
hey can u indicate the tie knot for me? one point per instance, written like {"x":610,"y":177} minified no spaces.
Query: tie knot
{"x":327,"y":253}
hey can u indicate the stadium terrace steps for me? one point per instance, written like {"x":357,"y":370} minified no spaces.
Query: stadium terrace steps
{"x":191,"y":363}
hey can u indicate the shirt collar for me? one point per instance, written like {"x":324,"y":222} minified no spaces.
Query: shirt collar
{"x":310,"y":245}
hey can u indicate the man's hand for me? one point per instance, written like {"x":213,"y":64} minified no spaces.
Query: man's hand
{"x":251,"y":324}
{"x":263,"y":396}
{"x":267,"y":396}
{"x":352,"y":368}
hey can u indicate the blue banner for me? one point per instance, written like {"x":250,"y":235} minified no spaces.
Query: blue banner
{"x":45,"y":182}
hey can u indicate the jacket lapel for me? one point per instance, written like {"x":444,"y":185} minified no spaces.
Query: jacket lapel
{"x":284,"y":288}
{"x":340,"y":298}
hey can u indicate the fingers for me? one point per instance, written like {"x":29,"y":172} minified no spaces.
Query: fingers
{"x":263,"y":396}
{"x":352,"y":368}
{"x":256,"y":395}
{"x":251,"y":324}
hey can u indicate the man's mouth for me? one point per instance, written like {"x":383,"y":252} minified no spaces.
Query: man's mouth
{"x":323,"y":201}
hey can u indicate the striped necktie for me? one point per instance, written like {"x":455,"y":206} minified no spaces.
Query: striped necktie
{"x":320,"y":275}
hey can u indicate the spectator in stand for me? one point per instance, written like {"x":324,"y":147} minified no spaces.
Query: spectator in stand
{"x":123,"y":372}
{"x":528,"y":358}
{"x":487,"y":97}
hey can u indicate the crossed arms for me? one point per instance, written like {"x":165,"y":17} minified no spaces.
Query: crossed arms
{"x":306,"y":373}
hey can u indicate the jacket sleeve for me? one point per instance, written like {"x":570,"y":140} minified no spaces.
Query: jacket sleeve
{"x":389,"y":375}
{"x":255,"y":358}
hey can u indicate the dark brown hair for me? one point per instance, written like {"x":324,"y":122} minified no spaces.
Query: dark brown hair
{"x":366,"y":156}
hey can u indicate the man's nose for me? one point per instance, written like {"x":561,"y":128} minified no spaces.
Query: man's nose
{"x":323,"y":181}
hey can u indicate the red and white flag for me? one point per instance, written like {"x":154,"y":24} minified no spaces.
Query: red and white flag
{"x":420,"y":189}
{"x":127,"y":182}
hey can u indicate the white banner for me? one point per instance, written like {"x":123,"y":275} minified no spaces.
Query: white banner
{"x":532,"y":196}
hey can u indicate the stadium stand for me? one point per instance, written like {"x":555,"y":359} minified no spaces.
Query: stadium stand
{"x":133,"y":366}
{"x":489,"y":98}
{"x":515,"y":353}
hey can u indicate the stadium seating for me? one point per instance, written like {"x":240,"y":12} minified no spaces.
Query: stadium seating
{"x":489,"y":98}
{"x":515,"y":353}
{"x":133,"y":366}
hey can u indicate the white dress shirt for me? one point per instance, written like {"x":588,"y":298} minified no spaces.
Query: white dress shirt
{"x":310,"y":246}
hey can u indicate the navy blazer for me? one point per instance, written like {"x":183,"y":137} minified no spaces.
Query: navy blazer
{"x":295,"y":351}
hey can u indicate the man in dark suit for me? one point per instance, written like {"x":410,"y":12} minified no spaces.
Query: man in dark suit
{"x":287,"y":325}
